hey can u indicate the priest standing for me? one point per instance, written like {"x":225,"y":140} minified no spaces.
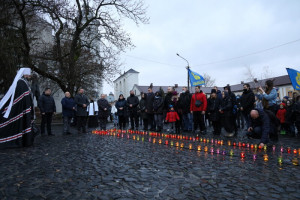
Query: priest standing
{"x":17,"y":112}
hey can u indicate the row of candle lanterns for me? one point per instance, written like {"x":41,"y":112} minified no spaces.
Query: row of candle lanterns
{"x":120,"y":133}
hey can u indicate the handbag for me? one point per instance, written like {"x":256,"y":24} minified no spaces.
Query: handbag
{"x":198,"y":103}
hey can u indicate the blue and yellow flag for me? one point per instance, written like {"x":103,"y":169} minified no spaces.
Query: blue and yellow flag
{"x":295,"y":78}
{"x":196,"y":79}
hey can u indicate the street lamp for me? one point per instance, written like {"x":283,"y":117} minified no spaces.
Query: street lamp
{"x":188,"y":67}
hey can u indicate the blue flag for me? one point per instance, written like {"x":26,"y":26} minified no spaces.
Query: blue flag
{"x":196,"y":79}
{"x":294,"y":77}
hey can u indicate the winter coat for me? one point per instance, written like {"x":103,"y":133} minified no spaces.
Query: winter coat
{"x":46,"y":104}
{"x":219,"y":95}
{"x":198,"y":96}
{"x":158,"y":105}
{"x":134,"y":100}
{"x":172,"y":116}
{"x":168,"y":101}
{"x":265,"y":123}
{"x":289,"y":115}
{"x":213,"y":106}
{"x":150,"y":100}
{"x":81,"y":99}
{"x":226,"y":106}
{"x":184,"y":102}
{"x":231,"y":95}
{"x":121,"y":104}
{"x":281,"y":115}
{"x":270,"y":98}
{"x":67,"y":107}
{"x":247,"y":101}
{"x":102,"y":105}
{"x":142,"y":107}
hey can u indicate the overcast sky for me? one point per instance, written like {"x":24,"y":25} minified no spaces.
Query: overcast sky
{"x":209,"y":31}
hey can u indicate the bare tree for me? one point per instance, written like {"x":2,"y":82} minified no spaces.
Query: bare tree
{"x":209,"y":81}
{"x":88,"y":38}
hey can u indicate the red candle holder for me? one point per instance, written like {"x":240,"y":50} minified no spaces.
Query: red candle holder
{"x":242,"y":154}
{"x":289,"y":149}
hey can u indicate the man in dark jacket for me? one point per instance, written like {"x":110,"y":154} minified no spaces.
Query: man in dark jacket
{"x":149,"y":109}
{"x":261,"y":126}
{"x":68,"y":107}
{"x":132,"y":105}
{"x":247,"y":102}
{"x":219,"y":93}
{"x":103,"y":111}
{"x":81,"y":105}
{"x":184,"y":105}
{"x":158,"y":107}
{"x":47,"y":108}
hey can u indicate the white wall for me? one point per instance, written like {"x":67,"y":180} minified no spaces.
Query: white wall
{"x":124,"y":84}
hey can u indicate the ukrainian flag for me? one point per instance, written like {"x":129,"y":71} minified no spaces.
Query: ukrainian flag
{"x":196,"y":79}
{"x":295,"y":78}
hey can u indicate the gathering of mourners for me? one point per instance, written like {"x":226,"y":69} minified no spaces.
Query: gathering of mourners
{"x":256,"y":113}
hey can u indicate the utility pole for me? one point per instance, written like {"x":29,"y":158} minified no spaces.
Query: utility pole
{"x":188,"y":69}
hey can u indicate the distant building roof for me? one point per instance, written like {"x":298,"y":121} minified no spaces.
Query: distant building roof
{"x":131,"y":71}
{"x":278,"y":81}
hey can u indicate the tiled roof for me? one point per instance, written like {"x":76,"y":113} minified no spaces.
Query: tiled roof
{"x":132,"y":71}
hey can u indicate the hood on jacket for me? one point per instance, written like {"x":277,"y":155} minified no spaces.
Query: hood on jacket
{"x":158,"y":93}
{"x":228,"y":88}
{"x":284,"y":105}
{"x":145,"y":96}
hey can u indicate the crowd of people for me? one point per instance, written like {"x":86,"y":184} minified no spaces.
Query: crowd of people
{"x":261,"y":114}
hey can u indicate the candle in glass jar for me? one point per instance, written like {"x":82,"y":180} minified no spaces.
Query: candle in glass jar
{"x":289,"y":149}
{"x":177,"y":144}
{"x":266,"y":157}
{"x":172,"y":143}
{"x":205,"y":148}
{"x":231,"y":152}
{"x":242,"y":154}
{"x":190,"y":146}
{"x":254,"y":156}
{"x":181,"y":145}
{"x":211,"y":150}
{"x":199,"y":148}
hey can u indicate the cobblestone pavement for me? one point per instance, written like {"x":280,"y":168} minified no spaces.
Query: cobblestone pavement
{"x":89,"y":166}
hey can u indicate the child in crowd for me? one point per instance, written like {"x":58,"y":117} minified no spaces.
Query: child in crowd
{"x":281,"y":116}
{"x":171,"y":118}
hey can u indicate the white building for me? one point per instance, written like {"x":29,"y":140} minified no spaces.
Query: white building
{"x":124,"y":83}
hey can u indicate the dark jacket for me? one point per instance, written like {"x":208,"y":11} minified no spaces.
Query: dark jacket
{"x":102,"y":105}
{"x":264,"y":122}
{"x":185,"y":102}
{"x":67,"y":107}
{"x":247,"y":101}
{"x":168,"y":101}
{"x":231,"y":95}
{"x":142,"y":107}
{"x":297,"y":110}
{"x":121,"y":104}
{"x":213,"y":106}
{"x":226,"y":105}
{"x":46,"y":104}
{"x":219,"y":94}
{"x":158,"y":104}
{"x":134,"y":100}
{"x":150,"y":100}
{"x":81,"y":99}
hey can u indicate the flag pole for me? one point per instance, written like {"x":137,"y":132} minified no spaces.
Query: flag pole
{"x":188,"y":70}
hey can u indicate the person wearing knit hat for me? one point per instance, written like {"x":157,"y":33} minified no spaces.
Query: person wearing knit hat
{"x":16,"y":112}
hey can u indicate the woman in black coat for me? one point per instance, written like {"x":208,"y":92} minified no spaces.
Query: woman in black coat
{"x":226,"y":114}
{"x":158,"y":107}
{"x":142,"y":110}
{"x":213,"y":106}
{"x":122,"y":111}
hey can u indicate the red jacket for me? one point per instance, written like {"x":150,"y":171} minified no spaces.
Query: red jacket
{"x":281,"y":115}
{"x":172,"y":116}
{"x":202,"y":98}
